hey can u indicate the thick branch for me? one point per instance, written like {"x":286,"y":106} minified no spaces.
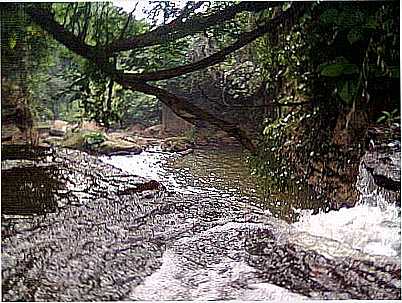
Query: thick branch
{"x":190,"y":112}
{"x":180,"y":105}
{"x":221,"y":55}
{"x":178,"y":29}
{"x":62,"y":35}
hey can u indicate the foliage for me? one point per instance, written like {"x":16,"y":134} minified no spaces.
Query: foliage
{"x":23,"y":52}
{"x":93,"y":138}
{"x":136,"y":107}
{"x":338,"y":57}
{"x":389,"y":117}
{"x":99,"y":97}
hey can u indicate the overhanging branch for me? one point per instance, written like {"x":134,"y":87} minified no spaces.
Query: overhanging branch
{"x":62,"y":35}
{"x":190,"y":112}
{"x":178,"y":29}
{"x":180,"y":105}
{"x":243,"y":39}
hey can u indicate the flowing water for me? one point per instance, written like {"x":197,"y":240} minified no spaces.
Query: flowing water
{"x":206,"y":238}
{"x":217,"y":172}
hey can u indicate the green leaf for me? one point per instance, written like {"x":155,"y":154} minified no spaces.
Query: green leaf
{"x":381,"y":119}
{"x":394,"y":72}
{"x":386,"y":114}
{"x":336,"y":69}
{"x":350,"y":17}
{"x":330,"y":16}
{"x":371,"y":22}
{"x":348,"y":91}
{"x":92,"y":140}
{"x":354,"y":35}
{"x":12,"y":41}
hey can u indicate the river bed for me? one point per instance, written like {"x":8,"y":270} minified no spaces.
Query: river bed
{"x":206,"y":238}
{"x":372,"y":229}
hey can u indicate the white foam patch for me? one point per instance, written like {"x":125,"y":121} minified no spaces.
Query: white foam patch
{"x":145,"y":165}
{"x":373,"y":230}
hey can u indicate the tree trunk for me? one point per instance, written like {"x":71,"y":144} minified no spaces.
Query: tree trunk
{"x":183,"y":108}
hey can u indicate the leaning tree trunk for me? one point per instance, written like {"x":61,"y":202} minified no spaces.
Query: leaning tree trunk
{"x":190,"y":112}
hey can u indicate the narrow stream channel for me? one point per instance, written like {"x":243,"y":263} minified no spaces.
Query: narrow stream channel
{"x":206,"y":238}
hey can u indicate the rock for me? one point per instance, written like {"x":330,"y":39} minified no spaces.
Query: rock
{"x":384,"y":163}
{"x":93,"y":126}
{"x":43,"y":131}
{"x":136,"y":129}
{"x":186,"y":152}
{"x":153,"y":131}
{"x":53,"y":140}
{"x":58,"y":132}
{"x":117,"y":147}
{"x":141,"y":141}
{"x":9,"y":132}
{"x":97,"y":142}
{"x":151,"y":185}
{"x":221,"y":134}
{"x":380,"y":175}
{"x":58,"y":128}
{"x":176,"y":144}
{"x":228,"y":140}
{"x":115,"y":136}
{"x":6,"y":138}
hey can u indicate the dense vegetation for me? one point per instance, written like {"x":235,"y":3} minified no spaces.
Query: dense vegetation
{"x":298,"y":84}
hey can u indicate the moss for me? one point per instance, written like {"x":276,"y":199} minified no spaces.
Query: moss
{"x":117,"y":146}
{"x":76,"y":140}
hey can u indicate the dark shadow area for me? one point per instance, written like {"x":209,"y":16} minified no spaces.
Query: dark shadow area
{"x":29,"y":190}
{"x":24,"y":152}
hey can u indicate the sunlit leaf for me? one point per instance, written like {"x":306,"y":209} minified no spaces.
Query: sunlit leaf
{"x":12,"y":42}
{"x":336,"y":69}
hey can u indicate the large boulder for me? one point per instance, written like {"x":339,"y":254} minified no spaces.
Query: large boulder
{"x":9,"y":132}
{"x":100,"y":143}
{"x":91,"y":126}
{"x":118,"y":147}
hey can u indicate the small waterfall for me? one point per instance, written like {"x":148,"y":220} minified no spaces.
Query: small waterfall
{"x":373,"y":225}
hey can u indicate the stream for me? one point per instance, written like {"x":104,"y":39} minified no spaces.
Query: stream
{"x":68,"y":235}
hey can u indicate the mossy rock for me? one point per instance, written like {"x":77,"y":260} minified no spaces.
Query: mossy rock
{"x":77,"y":140}
{"x":96,"y":142}
{"x":118,"y":147}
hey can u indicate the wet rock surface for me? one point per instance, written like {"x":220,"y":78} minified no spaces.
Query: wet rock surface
{"x":98,"y":245}
{"x":380,"y":173}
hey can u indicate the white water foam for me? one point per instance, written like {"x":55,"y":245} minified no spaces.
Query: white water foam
{"x":176,"y":280}
{"x":146,"y":165}
{"x":372,"y":229}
